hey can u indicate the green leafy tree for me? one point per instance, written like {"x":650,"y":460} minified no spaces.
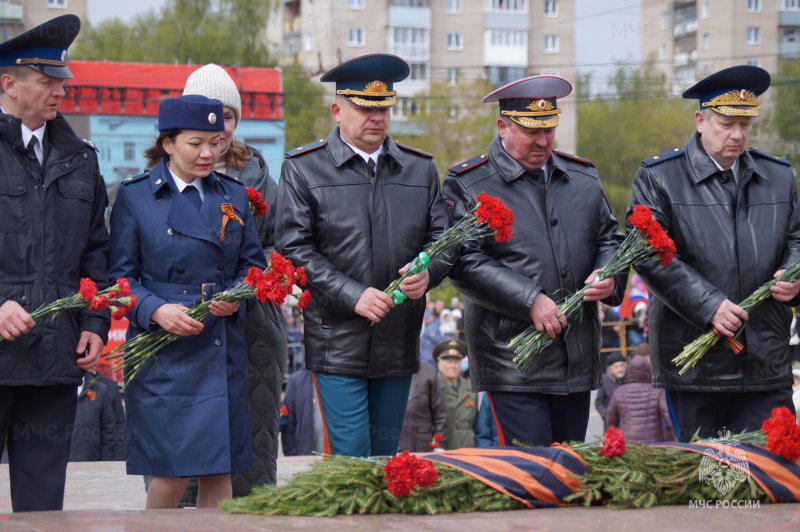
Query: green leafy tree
{"x":306,"y":112}
{"x":185,"y":31}
{"x":641,"y":119}
{"x":452,"y":123}
{"x":784,"y":120}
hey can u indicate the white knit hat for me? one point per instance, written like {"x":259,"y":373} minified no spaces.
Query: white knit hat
{"x":212,"y":81}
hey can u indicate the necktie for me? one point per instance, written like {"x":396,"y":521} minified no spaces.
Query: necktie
{"x":729,"y":183}
{"x":32,"y":148}
{"x":193,"y":195}
{"x":371,"y":166}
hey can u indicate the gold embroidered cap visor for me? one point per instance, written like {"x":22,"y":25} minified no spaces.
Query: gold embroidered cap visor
{"x":44,"y":47}
{"x":531,"y":102}
{"x":731,"y":92}
{"x":367,"y":81}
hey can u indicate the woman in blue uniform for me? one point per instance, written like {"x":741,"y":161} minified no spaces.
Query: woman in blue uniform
{"x":187,"y":410}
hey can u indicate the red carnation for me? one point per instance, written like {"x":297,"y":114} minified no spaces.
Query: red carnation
{"x":284,"y":410}
{"x":305,"y":298}
{"x":301,"y":276}
{"x":254,"y":275}
{"x":87,"y":289}
{"x":257,"y":204}
{"x":494,"y":212}
{"x":613,"y":442}
{"x":124,"y":286}
{"x":783,"y":433}
{"x":405,"y":471}
{"x":98,"y":303}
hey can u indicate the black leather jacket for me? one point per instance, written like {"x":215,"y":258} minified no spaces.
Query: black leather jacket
{"x":726,"y":249}
{"x":52,"y":233}
{"x":562,"y":232}
{"x":351,"y":232}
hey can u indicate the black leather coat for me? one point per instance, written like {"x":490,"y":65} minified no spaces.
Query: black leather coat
{"x":726,"y":249}
{"x":52,"y":233}
{"x":562,"y":231}
{"x":350,"y":232}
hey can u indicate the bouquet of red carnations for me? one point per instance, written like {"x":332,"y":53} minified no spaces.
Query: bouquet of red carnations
{"x":644,"y":241}
{"x":117,"y":298}
{"x":272,"y":284}
{"x":489,"y":218}
{"x":693,"y":352}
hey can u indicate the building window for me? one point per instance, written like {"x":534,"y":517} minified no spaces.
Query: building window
{"x":551,"y":44}
{"x":410,"y":43}
{"x":753,"y":36}
{"x":706,"y":41}
{"x":664,"y":21}
{"x":507,"y":6}
{"x":499,"y":75}
{"x":790,"y":5}
{"x":453,"y":75}
{"x":662,"y":51}
{"x":454,"y":6}
{"x":792,"y":35}
{"x":410,"y":3}
{"x":705,"y":10}
{"x":355,"y":4}
{"x":57,"y":3}
{"x":551,"y":8}
{"x":705,"y":70}
{"x":309,"y":42}
{"x":355,"y":36}
{"x":129,"y":149}
{"x":754,"y":6}
{"x":754,"y":62}
{"x":419,"y":71}
{"x":454,"y":41}
{"x":508,"y":38}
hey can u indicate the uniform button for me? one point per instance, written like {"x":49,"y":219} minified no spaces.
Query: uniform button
{"x":170,"y":231}
{"x":20,"y":187}
{"x":218,"y":342}
{"x":185,"y":292}
{"x":220,"y":267}
{"x":554,"y":222}
{"x":180,"y":270}
{"x":85,"y":155}
{"x":23,"y":298}
{"x":227,"y":198}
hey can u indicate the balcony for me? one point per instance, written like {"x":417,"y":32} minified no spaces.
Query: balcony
{"x":684,"y":27}
{"x":506,"y":21}
{"x":11,"y":13}
{"x":788,"y":18}
{"x":292,"y":42}
{"x":789,"y":49}
{"x":409,"y":17}
{"x":684,"y":58}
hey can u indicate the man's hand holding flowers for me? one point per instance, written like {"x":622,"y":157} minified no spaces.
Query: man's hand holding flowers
{"x":598,"y":289}
{"x":728,"y":318}
{"x":172,"y":318}
{"x":414,"y":286}
{"x":546,"y":316}
{"x":91,"y":344}
{"x":373,"y":304}
{"x":784,"y":291}
{"x":14,"y":320}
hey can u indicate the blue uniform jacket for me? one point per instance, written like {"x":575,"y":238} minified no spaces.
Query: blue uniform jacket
{"x":187,"y":410}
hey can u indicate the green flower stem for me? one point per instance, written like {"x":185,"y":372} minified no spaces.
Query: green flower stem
{"x":692,"y":353}
{"x":634,"y":249}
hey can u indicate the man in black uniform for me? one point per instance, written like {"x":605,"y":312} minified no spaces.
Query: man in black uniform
{"x":53,"y":233}
{"x":563,"y":234}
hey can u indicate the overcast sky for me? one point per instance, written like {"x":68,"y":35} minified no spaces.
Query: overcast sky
{"x":606,"y":31}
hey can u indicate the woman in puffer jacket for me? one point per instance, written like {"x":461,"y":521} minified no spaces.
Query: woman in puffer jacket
{"x":638,"y":409}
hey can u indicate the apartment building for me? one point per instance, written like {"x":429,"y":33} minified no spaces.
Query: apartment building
{"x":691,"y":40}
{"x":442,"y":40}
{"x":18,"y":16}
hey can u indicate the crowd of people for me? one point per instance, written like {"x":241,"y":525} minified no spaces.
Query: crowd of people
{"x":371,"y":372}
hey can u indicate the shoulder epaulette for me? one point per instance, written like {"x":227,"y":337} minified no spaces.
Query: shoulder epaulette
{"x":583,"y":160}
{"x":415,"y":150}
{"x":663,"y":156}
{"x":307,"y":148}
{"x":134,"y":179}
{"x":756,"y":151}
{"x":469,"y":165}
{"x":91,"y":145}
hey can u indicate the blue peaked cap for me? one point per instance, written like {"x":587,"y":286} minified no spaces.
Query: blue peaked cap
{"x":43,"y":48}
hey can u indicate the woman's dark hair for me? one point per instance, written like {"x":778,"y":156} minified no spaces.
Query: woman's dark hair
{"x":156,"y":152}
{"x":238,"y":155}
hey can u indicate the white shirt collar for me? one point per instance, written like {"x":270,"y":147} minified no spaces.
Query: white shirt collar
{"x":181,"y":184}
{"x":734,"y":168}
{"x":364,"y":155}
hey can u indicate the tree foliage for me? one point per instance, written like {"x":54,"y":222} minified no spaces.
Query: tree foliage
{"x":306,"y":113}
{"x":641,"y":119}
{"x":452,"y":123}
{"x":785,"y":117}
{"x":185,"y":31}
